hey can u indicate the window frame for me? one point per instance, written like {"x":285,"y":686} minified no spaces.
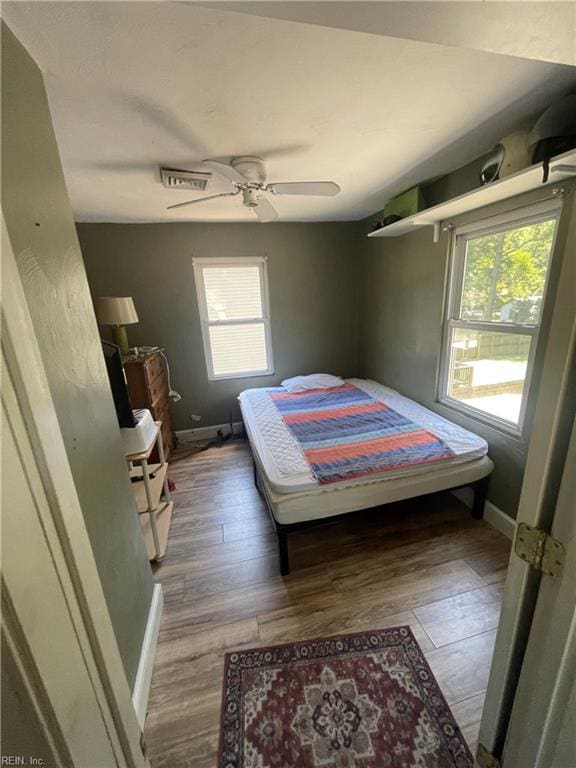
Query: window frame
{"x":222,"y":261}
{"x":514,"y":219}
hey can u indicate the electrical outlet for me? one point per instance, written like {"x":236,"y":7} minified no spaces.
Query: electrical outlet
{"x":195,"y":417}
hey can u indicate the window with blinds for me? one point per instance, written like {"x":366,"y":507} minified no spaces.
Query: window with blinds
{"x":233,"y":304}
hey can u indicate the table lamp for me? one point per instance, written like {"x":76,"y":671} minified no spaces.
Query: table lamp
{"x":117,"y":311}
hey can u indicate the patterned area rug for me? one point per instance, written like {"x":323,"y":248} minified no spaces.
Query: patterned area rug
{"x":366,"y":700}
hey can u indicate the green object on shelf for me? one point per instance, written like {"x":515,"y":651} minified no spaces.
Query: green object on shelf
{"x":406,"y":204}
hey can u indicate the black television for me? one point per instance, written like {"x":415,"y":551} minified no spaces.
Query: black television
{"x":118,"y":384}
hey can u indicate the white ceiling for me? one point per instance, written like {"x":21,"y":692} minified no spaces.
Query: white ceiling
{"x":544,"y":31}
{"x":133,"y":86}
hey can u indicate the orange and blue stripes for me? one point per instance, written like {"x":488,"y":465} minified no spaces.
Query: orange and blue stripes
{"x":345,"y":433}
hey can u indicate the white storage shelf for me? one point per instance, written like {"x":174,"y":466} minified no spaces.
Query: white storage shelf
{"x":152,"y":496}
{"x":561,"y":167}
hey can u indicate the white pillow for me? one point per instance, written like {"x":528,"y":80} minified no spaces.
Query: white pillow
{"x":313,"y":381}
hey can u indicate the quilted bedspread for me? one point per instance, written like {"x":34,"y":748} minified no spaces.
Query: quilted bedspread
{"x":345,"y":433}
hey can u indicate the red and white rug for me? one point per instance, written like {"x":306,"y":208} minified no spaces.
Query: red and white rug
{"x":366,"y":700}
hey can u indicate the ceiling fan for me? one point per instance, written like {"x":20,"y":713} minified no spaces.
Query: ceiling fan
{"x":248,"y":177}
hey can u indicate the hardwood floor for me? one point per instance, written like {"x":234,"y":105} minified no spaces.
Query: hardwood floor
{"x":422,"y":562}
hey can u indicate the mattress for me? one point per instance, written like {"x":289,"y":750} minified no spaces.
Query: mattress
{"x":286,"y":470}
{"x":341,"y":498}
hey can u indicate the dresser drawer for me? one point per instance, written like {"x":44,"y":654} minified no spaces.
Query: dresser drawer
{"x":154,"y":367}
{"x":158,"y":389}
{"x":146,"y":378}
{"x":159,"y":410}
{"x":167,"y":436}
{"x":162,"y":413}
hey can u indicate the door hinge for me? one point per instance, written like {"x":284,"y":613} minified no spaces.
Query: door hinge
{"x":538,"y":548}
{"x":486,"y":759}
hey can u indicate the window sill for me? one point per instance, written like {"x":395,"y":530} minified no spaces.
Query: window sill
{"x":231,"y":377}
{"x":505,"y":427}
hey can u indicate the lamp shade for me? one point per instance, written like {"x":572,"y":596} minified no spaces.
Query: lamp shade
{"x":115,"y":310}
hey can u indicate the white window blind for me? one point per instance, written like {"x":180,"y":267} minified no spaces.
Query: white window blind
{"x":233,"y":303}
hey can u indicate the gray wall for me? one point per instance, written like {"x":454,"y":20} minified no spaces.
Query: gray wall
{"x":41,"y":229}
{"x":340,"y":303}
{"x":401,"y":300}
{"x":313,"y":297}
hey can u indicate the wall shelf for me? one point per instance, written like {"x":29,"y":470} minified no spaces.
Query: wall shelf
{"x":561,"y":167}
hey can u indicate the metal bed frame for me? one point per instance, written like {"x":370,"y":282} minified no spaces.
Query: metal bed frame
{"x":480,"y":488}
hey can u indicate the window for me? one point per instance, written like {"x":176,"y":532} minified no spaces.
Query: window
{"x":497,"y":286}
{"x":233,"y":303}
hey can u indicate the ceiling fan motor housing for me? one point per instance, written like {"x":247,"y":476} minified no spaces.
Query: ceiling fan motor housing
{"x":252,"y":168}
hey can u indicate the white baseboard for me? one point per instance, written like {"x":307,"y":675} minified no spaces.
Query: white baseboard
{"x":144,"y":674}
{"x":499,"y":520}
{"x":208,"y":433}
{"x":492,"y":515}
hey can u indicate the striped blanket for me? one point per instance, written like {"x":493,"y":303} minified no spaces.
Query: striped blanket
{"x":346,"y":433}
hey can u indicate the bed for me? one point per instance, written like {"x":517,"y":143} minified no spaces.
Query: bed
{"x":306,"y":479}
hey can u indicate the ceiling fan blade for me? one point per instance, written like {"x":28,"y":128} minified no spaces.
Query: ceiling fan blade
{"x":203,"y":199}
{"x":265,"y":210}
{"x":226,"y":170}
{"x":321,"y":188}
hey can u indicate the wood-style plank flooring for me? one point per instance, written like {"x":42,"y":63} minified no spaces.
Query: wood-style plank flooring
{"x":422,"y":562}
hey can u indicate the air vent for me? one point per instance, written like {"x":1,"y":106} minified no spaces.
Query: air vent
{"x":173,"y":179}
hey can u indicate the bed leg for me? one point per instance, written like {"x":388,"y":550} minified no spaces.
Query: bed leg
{"x":283,"y":552}
{"x":256,"y":483}
{"x":480,"y":490}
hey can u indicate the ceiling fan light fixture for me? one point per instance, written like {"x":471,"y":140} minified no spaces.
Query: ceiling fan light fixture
{"x":250,"y":197}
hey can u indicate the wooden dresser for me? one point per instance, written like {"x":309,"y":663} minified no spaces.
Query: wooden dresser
{"x":148,"y":388}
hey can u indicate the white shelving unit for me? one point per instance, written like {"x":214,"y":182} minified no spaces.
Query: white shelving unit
{"x":561,"y":167}
{"x":152,"y":496}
